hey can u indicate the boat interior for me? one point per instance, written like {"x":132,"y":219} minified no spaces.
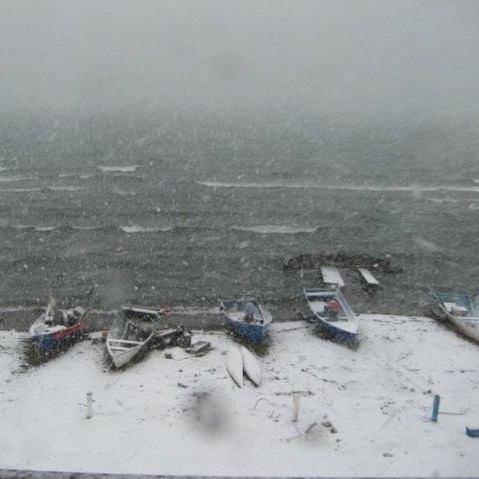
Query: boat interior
{"x":244,"y":311}
{"x":320,"y":307}
{"x":138,"y":330}
{"x":460,"y":305}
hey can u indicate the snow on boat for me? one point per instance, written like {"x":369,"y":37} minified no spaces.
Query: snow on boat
{"x":55,"y":329}
{"x":247,"y":318}
{"x":130,"y":332}
{"x":333,"y":313}
{"x":462,"y":311}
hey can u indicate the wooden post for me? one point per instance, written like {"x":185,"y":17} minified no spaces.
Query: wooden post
{"x":296,"y":398}
{"x":89,"y":405}
{"x":435,"y":407}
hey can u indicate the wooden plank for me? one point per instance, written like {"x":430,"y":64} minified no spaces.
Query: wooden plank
{"x":368,"y":277}
{"x":198,"y":347}
{"x":331,"y":275}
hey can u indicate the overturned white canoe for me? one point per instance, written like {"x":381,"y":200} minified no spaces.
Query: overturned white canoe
{"x":234,"y":365}
{"x":251,"y":366}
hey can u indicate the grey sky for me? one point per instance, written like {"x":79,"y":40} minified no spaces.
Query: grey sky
{"x":339,"y":55}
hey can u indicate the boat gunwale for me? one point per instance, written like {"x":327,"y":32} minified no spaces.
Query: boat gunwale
{"x":442,"y":298}
{"x":266,"y":316}
{"x":351,"y":317}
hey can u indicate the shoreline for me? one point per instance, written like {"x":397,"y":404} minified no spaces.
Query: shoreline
{"x":207,"y":318}
{"x":375,"y":396}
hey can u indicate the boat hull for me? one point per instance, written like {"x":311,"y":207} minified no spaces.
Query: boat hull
{"x":472,"y":432}
{"x":234,"y":365}
{"x":254,"y":333}
{"x":334,"y":332}
{"x":251,"y":366}
{"x":247,"y":318}
{"x":345,"y":328}
{"x":130,"y":333}
{"x":46,"y":343}
{"x":468,"y":324}
{"x":121,"y":359}
{"x":466,"y":330}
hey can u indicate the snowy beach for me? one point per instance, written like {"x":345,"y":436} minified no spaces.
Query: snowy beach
{"x":172,"y":156}
{"x":185,"y":415}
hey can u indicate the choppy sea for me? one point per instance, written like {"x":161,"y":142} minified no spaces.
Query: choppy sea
{"x":185,"y":208}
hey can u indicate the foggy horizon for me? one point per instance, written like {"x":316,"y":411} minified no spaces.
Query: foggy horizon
{"x":345,"y":58}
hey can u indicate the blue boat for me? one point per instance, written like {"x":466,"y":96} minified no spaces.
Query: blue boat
{"x":56,"y":329}
{"x":472,"y":432}
{"x":462,"y":311}
{"x":333,"y":314}
{"x":247,"y":318}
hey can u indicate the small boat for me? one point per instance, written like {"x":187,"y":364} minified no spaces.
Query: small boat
{"x":251,"y":366}
{"x":462,"y":311}
{"x":57,"y":328}
{"x":131,"y":331}
{"x":234,"y":365}
{"x":242,"y":362}
{"x":472,"y":432}
{"x":247,"y":318}
{"x":333,"y":313}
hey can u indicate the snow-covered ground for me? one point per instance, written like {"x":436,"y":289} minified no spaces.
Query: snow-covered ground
{"x":145,"y":418}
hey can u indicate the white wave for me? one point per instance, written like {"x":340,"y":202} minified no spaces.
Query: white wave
{"x":10,"y":179}
{"x":35,"y":227}
{"x":20,"y":190}
{"x":47,"y":188}
{"x":46,"y":228}
{"x":121,"y":192}
{"x":85,"y":228}
{"x":50,"y":228}
{"x":65,"y":188}
{"x":441,"y":200}
{"x":428,"y":245}
{"x":141,"y":229}
{"x":121,"y":169}
{"x":379,"y":188}
{"x":275,"y":229}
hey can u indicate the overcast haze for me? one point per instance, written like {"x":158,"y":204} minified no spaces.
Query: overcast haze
{"x":339,"y":56}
